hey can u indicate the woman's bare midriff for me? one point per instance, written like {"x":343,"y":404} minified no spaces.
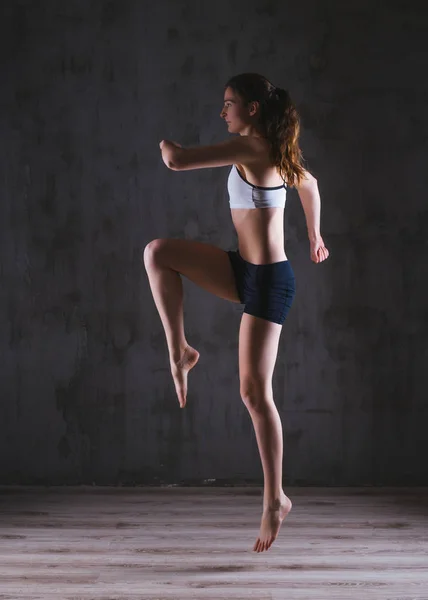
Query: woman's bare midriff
{"x":260,"y":230}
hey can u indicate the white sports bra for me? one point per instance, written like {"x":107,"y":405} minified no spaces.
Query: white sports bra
{"x":243,"y":194}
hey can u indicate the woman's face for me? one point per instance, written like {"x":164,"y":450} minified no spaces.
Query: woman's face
{"x":236,"y":115}
{"x":232,"y":111}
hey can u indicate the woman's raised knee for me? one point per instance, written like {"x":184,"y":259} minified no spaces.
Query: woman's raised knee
{"x":152,"y":248}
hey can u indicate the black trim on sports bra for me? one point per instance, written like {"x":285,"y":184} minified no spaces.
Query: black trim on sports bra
{"x":259,"y":187}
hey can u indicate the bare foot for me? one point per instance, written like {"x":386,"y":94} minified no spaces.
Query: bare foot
{"x":180,"y":370}
{"x":271,"y":522}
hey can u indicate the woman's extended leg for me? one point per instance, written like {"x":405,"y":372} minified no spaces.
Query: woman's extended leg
{"x":258,"y":348}
{"x":204,"y":264}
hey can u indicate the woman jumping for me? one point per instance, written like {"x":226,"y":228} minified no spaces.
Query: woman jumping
{"x":265,"y":159}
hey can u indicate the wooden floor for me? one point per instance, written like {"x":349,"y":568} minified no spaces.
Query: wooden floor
{"x":172,"y":543}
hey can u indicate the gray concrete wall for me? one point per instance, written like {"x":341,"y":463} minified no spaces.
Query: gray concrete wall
{"x":87,"y":92}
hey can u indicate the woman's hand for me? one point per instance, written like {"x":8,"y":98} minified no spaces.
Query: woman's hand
{"x":167,"y":150}
{"x":166,"y":142}
{"x":318,"y":251}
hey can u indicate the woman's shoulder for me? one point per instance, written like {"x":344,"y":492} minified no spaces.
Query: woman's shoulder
{"x":261,"y":154}
{"x":262,"y":157}
{"x":261,"y":171}
{"x":260,"y":143}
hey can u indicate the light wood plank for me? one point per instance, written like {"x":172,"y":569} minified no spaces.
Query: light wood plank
{"x":172,"y":543}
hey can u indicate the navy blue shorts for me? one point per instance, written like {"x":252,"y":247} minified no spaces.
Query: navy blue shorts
{"x":266,"y":290}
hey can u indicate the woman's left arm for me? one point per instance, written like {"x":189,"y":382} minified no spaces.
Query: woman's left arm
{"x":311,"y":202}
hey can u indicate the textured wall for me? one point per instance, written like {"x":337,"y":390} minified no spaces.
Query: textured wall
{"x":87,"y":92}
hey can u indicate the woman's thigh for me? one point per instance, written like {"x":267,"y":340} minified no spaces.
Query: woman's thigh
{"x":258,"y":350}
{"x":205,"y":264}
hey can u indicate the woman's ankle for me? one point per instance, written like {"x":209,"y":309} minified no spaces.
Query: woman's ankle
{"x":274,"y":501}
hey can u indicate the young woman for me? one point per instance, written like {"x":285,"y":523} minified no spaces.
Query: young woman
{"x":265,"y":159}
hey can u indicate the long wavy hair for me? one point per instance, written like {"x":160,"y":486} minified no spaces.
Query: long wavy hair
{"x":279,"y":121}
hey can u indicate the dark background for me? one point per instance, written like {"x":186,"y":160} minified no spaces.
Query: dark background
{"x":88,"y":90}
